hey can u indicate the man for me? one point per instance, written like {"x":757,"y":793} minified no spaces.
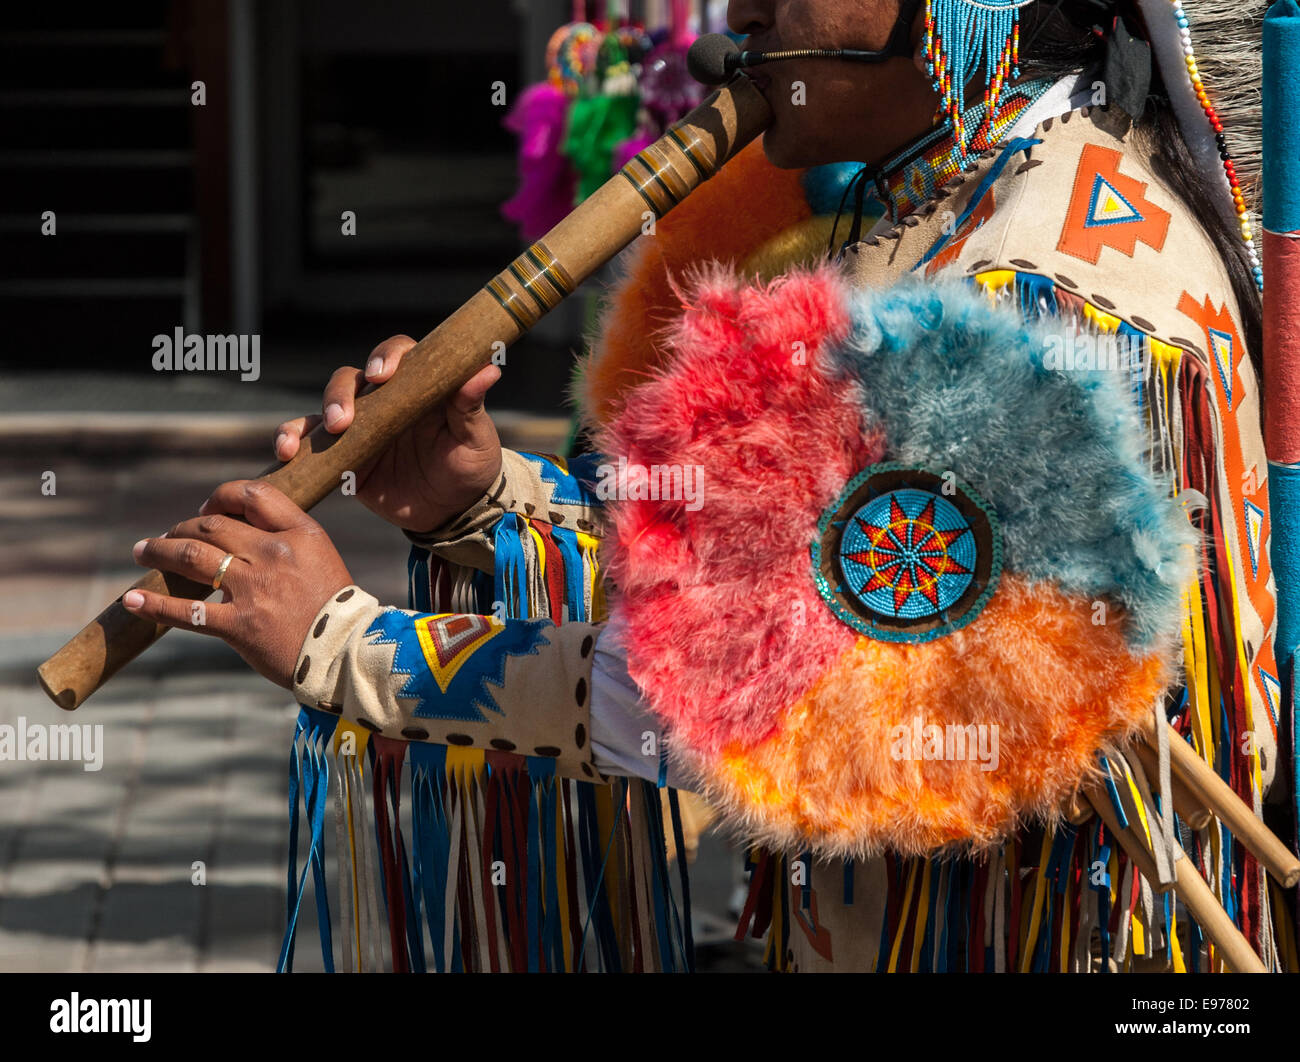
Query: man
{"x":1065,"y":192}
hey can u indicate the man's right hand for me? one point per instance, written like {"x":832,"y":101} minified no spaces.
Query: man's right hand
{"x":430,"y":473}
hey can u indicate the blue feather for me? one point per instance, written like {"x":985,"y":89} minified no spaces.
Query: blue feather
{"x":962,"y":386}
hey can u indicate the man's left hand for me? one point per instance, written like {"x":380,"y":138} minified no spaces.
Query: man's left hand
{"x":283,"y":570}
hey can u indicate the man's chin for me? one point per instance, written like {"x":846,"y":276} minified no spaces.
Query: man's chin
{"x":782,"y":153}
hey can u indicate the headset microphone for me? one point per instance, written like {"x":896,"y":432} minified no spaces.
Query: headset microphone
{"x":714,"y":58}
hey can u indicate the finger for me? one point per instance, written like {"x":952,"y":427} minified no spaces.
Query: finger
{"x":289,"y":434}
{"x":227,"y":534}
{"x":340,"y":392}
{"x":202,"y":616}
{"x":257,"y":502}
{"x":195,"y":560}
{"x":385,"y":358}
{"x":467,"y":417}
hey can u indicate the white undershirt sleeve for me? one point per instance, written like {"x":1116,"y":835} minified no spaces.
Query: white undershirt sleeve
{"x":626,"y":737}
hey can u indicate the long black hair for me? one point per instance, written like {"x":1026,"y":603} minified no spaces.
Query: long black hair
{"x":1061,"y":38}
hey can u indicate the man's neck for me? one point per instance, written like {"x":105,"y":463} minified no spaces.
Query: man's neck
{"x":910,"y":177}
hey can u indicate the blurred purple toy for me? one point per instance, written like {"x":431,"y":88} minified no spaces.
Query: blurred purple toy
{"x":668,"y":91}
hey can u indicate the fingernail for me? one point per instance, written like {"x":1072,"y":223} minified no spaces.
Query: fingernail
{"x":279,"y":441}
{"x":133,"y":599}
{"x":333,"y":412}
{"x":138,"y":548}
{"x":374,"y":366}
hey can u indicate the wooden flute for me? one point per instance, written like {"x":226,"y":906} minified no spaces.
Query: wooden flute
{"x":649,"y":186}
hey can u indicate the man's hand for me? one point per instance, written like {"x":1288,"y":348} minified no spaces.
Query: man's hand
{"x":430,"y":473}
{"x":283,"y":571}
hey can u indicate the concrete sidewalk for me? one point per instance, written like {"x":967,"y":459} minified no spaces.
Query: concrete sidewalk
{"x":96,"y":867}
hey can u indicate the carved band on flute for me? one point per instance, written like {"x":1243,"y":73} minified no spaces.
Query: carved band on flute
{"x":531,"y":286}
{"x":654,"y":171}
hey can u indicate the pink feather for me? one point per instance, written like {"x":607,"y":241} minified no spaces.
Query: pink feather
{"x":725,"y":623}
{"x":547,"y":182}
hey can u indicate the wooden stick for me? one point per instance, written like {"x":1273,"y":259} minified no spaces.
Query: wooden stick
{"x":1129,"y":839}
{"x":510,"y":304}
{"x":1189,"y":807}
{"x":1076,"y":809}
{"x":1212,"y":791}
{"x":1233,"y":948}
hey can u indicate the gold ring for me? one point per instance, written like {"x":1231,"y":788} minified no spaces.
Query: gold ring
{"x":221,"y":570}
